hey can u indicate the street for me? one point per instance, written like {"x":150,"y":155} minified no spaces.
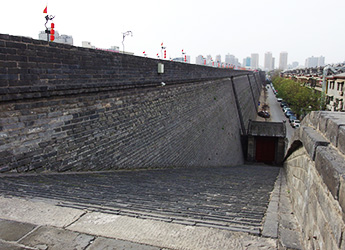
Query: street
{"x":277,"y":114}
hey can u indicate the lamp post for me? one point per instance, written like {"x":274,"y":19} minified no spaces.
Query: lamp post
{"x":123,"y":39}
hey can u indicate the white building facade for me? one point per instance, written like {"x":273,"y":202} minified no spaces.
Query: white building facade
{"x":335,"y":92}
{"x":65,"y":39}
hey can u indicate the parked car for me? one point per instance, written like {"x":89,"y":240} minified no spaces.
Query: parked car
{"x":264,"y":114}
{"x":283,"y":104}
{"x":279,"y":99}
{"x":295,"y":123}
{"x":292,"y":118}
{"x":289,"y":113}
{"x":286,"y":109}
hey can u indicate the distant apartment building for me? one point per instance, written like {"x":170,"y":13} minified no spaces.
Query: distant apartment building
{"x":86,"y":44}
{"x":232,"y":60}
{"x":58,"y":38}
{"x":218,"y":58}
{"x":321,"y":61}
{"x":185,"y":59}
{"x":268,"y":63}
{"x":335,"y":92}
{"x":247,"y":62}
{"x":313,"y":62}
{"x":283,"y":60}
{"x":294,"y":65}
{"x":199,"y":60}
{"x":208,"y":60}
{"x":254,"y":61}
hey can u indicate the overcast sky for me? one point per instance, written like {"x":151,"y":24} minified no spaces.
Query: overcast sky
{"x":303,"y":28}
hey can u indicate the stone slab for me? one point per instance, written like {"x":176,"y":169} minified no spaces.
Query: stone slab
{"x":110,"y":244}
{"x":37,"y":212}
{"x":167,"y":235}
{"x":56,"y":239}
{"x":290,"y":239}
{"x":270,"y":227}
{"x":330,"y":165}
{"x":333,"y":125}
{"x":13,"y":231}
{"x":11,"y":246}
{"x":221,"y":195}
{"x":341,"y":139}
{"x":311,"y":139}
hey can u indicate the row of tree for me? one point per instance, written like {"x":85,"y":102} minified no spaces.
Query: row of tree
{"x":301,"y":99}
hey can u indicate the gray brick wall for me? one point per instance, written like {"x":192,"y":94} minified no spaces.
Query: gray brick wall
{"x":67,"y":108}
{"x":315,"y":174}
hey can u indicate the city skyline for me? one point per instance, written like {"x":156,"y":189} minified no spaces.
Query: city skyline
{"x":229,"y":60}
{"x":190,"y":26}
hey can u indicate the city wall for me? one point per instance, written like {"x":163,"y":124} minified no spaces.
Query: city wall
{"x":315,"y":167}
{"x":66,"y":108}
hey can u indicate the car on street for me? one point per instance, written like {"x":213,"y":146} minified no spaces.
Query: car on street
{"x":289,"y":113}
{"x":295,"y":123}
{"x":292,"y":118}
{"x":264,"y":114}
{"x":279,"y":99}
{"x":283,"y":104}
{"x":286,"y":109}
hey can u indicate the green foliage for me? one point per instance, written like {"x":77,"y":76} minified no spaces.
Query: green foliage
{"x":301,"y":99}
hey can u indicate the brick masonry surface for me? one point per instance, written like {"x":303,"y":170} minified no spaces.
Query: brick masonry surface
{"x":315,"y":174}
{"x":68,"y":108}
{"x":232,"y":198}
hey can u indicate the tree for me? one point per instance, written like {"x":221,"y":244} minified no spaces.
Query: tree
{"x":301,"y":99}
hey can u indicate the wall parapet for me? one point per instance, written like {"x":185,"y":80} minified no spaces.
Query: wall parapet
{"x":65,"y":108}
{"x":33,"y":69}
{"x":316,"y":176}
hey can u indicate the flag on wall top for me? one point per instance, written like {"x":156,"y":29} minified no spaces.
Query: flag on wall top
{"x":45,"y":9}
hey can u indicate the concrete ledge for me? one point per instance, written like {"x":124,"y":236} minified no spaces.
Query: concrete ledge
{"x":329,"y":124}
{"x":341,"y":139}
{"x":330,"y":165}
{"x":311,"y":139}
{"x":311,"y":120}
{"x":319,"y":194}
{"x":334,"y":122}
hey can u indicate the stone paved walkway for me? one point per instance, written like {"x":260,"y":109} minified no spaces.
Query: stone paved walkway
{"x":231,"y":198}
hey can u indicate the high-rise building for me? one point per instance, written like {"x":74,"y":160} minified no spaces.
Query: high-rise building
{"x":268,"y":61}
{"x":199,"y":60}
{"x":231,"y":60}
{"x":218,"y":58}
{"x":58,"y":39}
{"x":247,"y":62}
{"x":187,"y":59}
{"x":209,"y":60}
{"x":312,"y":62}
{"x":295,"y":65}
{"x":254,"y":61}
{"x":184,"y":59}
{"x":283,"y":59}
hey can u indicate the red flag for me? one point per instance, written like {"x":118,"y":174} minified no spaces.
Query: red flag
{"x":45,"y":10}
